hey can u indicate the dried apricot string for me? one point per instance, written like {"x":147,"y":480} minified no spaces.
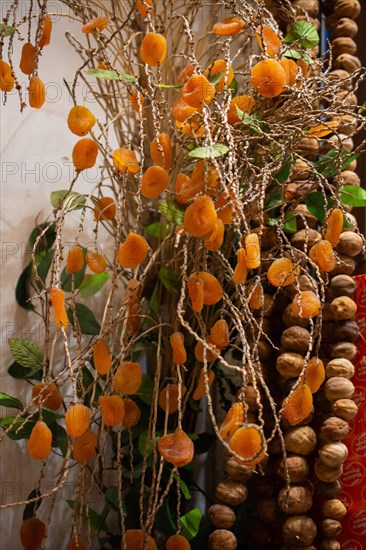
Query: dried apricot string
{"x":298,"y":405}
{"x":249,"y":443}
{"x":177,"y":344}
{"x":153,"y":49}
{"x":85,"y":446}
{"x":176,"y":448}
{"x":7,"y":80}
{"x":95,"y":25}
{"x":128,"y":378}
{"x":58,"y":303}
{"x":40,"y":441}
{"x":133,"y":251}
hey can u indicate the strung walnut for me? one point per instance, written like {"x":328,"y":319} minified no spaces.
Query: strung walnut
{"x":231,"y":492}
{"x":239,"y":472}
{"x":330,"y":544}
{"x":299,"y":531}
{"x":343,"y":308}
{"x":221,"y":539}
{"x":289,"y":364}
{"x":333,"y":455}
{"x":340,"y":367}
{"x":328,"y":490}
{"x":297,"y":499}
{"x":296,"y":467}
{"x":334,"y":508}
{"x":325,"y":473}
{"x":221,"y":517}
{"x":346,"y":330}
{"x":296,"y":339}
{"x":335,"y":429}
{"x":270,"y":512}
{"x":300,"y":440}
{"x":338,"y":388}
{"x":345,"y":408}
{"x":331,"y":528}
{"x":348,"y":350}
{"x":350,"y":243}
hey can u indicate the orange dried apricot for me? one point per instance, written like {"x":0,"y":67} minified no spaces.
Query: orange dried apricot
{"x":181,"y":110}
{"x":133,"y":251}
{"x":168,"y":399}
{"x":143,"y":6}
{"x":220,"y":66}
{"x":161,"y":151}
{"x":233,"y":420}
{"x":128,"y":378}
{"x":95,"y":25}
{"x":137,"y":101}
{"x":194,"y":127}
{"x":195,"y":291}
{"x":210,"y":352}
{"x":84,"y":154}
{"x":304,"y":67}
{"x":133,"y":319}
{"x":248,"y":441}
{"x":282,"y":272}
{"x":186,"y":73}
{"x":179,"y":351}
{"x":212,"y":290}
{"x":58,"y":303}
{"x":255,"y":300}
{"x":334,"y":226}
{"x":184,"y":188}
{"x":85,"y":446}
{"x":75,"y":544}
{"x":80,"y":120}
{"x":268,"y":78}
{"x":204,"y":174}
{"x":176,"y":448}
{"x":37,"y":92}
{"x":253,"y":251}
{"x":77,"y":420}
{"x":214,"y":239}
{"x":200,"y":390}
{"x":74,"y":260}
{"x":136,"y":539}
{"x":45,"y":38}
{"x":7,"y":80}
{"x":48,"y":395}
{"x":323,"y":130}
{"x":95,"y":262}
{"x":125,"y":161}
{"x":298,"y":406}
{"x":268,"y":40}
{"x":113,"y":409}
{"x":245,"y":103}
{"x":130,"y":293}
{"x":224,"y":206}
{"x":40,"y":441}
{"x":229,"y":26}
{"x":153,"y":49}
{"x":177,"y":542}
{"x":315,"y":374}
{"x":154,"y":181}
{"x":197,"y":91}
{"x":132,"y":413}
{"x":200,"y":216}
{"x":101,"y":357}
{"x":291,"y":70}
{"x":241,"y":268}
{"x":32,"y":533}
{"x":220,"y":334}
{"x":306,"y":304}
{"x":28,"y":58}
{"x":322,"y":255}
{"x":105,"y":209}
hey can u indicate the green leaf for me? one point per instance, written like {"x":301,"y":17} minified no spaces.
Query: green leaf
{"x":328,"y":166}
{"x":157,"y":229}
{"x":293,"y":54}
{"x":171,"y":211}
{"x":26,"y":353}
{"x":66,"y":278}
{"x":274,"y":199}
{"x":169,"y":86}
{"x":92,"y":284}
{"x":317,"y":205}
{"x":146,"y":389}
{"x":234,"y":86}
{"x":190,"y":523}
{"x":66,"y":199}
{"x":215,"y":78}
{"x":353,"y":196}
{"x":111,"y":496}
{"x":154,"y":300}
{"x":304,"y":33}
{"x":88,"y":516}
{"x":49,"y":416}
{"x":285,"y":171}
{"x":32,"y":507}
{"x":289,"y":225}
{"x":6,"y":30}
{"x":24,"y":373}
{"x":59,"y":437}
{"x":23,"y":433}
{"x":9,"y":401}
{"x":88,"y":323}
{"x":47,"y":239}
{"x":144,"y":442}
{"x":107,"y":74}
{"x":218,"y":150}
{"x":169,"y":278}
{"x":22,"y":294}
{"x":43,"y":263}
{"x":183,"y":487}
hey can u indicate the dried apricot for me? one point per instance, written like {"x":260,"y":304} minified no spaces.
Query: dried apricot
{"x":80,"y":120}
{"x":220,"y":66}
{"x":48,"y":395}
{"x":256,"y":293}
{"x":233,"y":420}
{"x":193,"y":128}
{"x":211,"y":351}
{"x":28,"y":58}
{"x":291,"y":70}
{"x":298,"y":406}
{"x":75,"y":544}
{"x":176,"y":448}
{"x":268,"y":78}
{"x":168,"y":399}
{"x":195,"y":291}
{"x":32,"y":533}
{"x":125,"y":161}
{"x":40,"y":441}
{"x":136,"y":539}
{"x":212,"y":290}
{"x":323,"y":130}
{"x":154,"y":181}
{"x":95,"y":262}
{"x":137,"y":101}
{"x":248,"y":441}
{"x":241,"y":268}
{"x":161,"y":151}
{"x":282,"y":272}
{"x":184,"y":189}
{"x":179,"y":352}
{"x":153,"y":49}
{"x":177,"y":542}
{"x":200,"y":216}
{"x":105,"y":209}
{"x":128,"y":378}
{"x":229,"y":26}
{"x":45,"y":38}
{"x":74,"y":260}
{"x":58,"y":303}
{"x":214,"y":239}
{"x":253,"y":251}
{"x":204,"y":175}
{"x":143,"y":6}
{"x":200,"y":390}
{"x":133,"y":319}
{"x":85,"y":446}
{"x":334,"y":226}
{"x":77,"y":420}
{"x":245,"y":103}
{"x":133,"y":251}
{"x":197,"y":91}
{"x":101,"y":357}
{"x":181,"y":110}
{"x":84,"y":154}
{"x":37,"y":92}
{"x":186,"y":73}
{"x":306,"y":304}
{"x":130,"y":293}
{"x":315,"y":374}
{"x":224,"y":206}
{"x":268,"y":40}
{"x":7,"y":80}
{"x":132,"y":413}
{"x":322,"y":255}
{"x":220,"y":334}
{"x":95,"y":25}
{"x":113,"y":409}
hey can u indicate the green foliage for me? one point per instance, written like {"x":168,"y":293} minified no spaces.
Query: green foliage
{"x":59,"y":437}
{"x":171,"y":211}
{"x":157,"y":229}
{"x":9,"y":401}
{"x":6,"y":30}
{"x":89,"y":516}
{"x":190,"y":523}
{"x":92,"y":284}
{"x":169,"y":279}
{"x":87,"y":321}
{"x":21,"y":428}
{"x":26,"y":353}
{"x":32,"y":507}
{"x":47,"y":239}
{"x":353,"y":196}
{"x":304,"y":33}
{"x":67,"y":200}
{"x":22,"y":294}
{"x":106,"y":74}
{"x":206,"y":152}
{"x":16,"y":370}
{"x":43,"y":263}
{"x":333,"y":162}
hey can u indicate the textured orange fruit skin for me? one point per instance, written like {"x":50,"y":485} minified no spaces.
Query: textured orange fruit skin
{"x":37,"y":92}
{"x":253,"y":251}
{"x":212,"y":290}
{"x":45,"y":38}
{"x":101,"y":356}
{"x":80,"y":120}
{"x":186,"y":73}
{"x":58,"y":303}
{"x":76,"y":544}
{"x":7,"y":80}
{"x":177,"y":542}
{"x":246,"y":442}
{"x":141,"y":6}
{"x":153,"y":49}
{"x":154,"y":181}
{"x":315,"y":374}
{"x":268,"y":39}
{"x":244,"y":102}
{"x":220,"y":334}
{"x":291,"y":70}
{"x":95,"y":25}
{"x":229,"y":26}
{"x":282,"y":272}
{"x":133,"y":251}
{"x":74,"y":260}
{"x":220,"y":66}
{"x":306,"y":304}
{"x":77,"y":419}
{"x":322,"y":255}
{"x":84,"y":154}
{"x":233,"y":420}
{"x":255,"y":300}
{"x":125,"y":161}
{"x":32,"y":533}
{"x":215,"y":238}
{"x":211,"y":351}
{"x":181,"y":110}
{"x":85,"y":446}
{"x":28,"y":58}
{"x":179,"y":352}
{"x":95,"y":262}
{"x":113,"y":409}
{"x":268,"y":78}
{"x":200,"y":216}
{"x":225,"y":209}
{"x":132,"y":413}
{"x":171,"y":391}
{"x":161,"y":151}
{"x":334,"y":226}
{"x":176,"y":448}
{"x":137,"y":101}
{"x":128,"y":378}
{"x":195,"y":291}
{"x":131,"y":292}
{"x":40,"y":441}
{"x":298,"y":406}
{"x":105,"y":209}
{"x":197,"y":91}
{"x":48,"y":395}
{"x":135,"y":538}
{"x":200,"y":390}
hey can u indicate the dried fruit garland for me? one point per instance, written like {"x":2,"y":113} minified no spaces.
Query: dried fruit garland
{"x":250,"y":164}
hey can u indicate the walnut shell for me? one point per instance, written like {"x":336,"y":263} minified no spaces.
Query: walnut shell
{"x":338,"y":388}
{"x":334,"y":508}
{"x":345,"y":27}
{"x":301,"y":169}
{"x":290,"y":318}
{"x":305,"y":237}
{"x":340,"y":367}
{"x":221,"y":517}
{"x":335,"y":429}
{"x":333,"y":455}
{"x":350,"y":243}
{"x":345,"y":265}
{"x":289,"y":364}
{"x":309,"y":7}
{"x":299,"y":531}
{"x":347,"y":124}
{"x":300,"y":440}
{"x":296,"y":500}
{"x":343,"y":308}
{"x":308,"y":146}
{"x":347,"y":330}
{"x":347,"y":8}
{"x":296,"y":467}
{"x":331,"y":528}
{"x":348,"y":62}
{"x":326,"y":474}
{"x":328,"y":490}
{"x":231,"y":492}
{"x":270,"y":512}
{"x":330,"y":544}
{"x":343,"y":44}
{"x":221,"y":539}
{"x":345,"y":409}
{"x":344,"y":349}
{"x":348,"y":178}
{"x":239,"y":472}
{"x":296,"y":339}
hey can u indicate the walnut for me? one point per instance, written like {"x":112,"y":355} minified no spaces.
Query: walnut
{"x":300,"y":440}
{"x":299,"y":531}
{"x":289,"y":364}
{"x":348,"y":178}
{"x":350,"y":243}
{"x":334,"y":508}
{"x":296,"y":339}
{"x":296,"y":500}
{"x":348,"y":62}
{"x":221,"y":517}
{"x":345,"y":27}
{"x":239,"y":472}
{"x":231,"y":492}
{"x":345,"y":409}
{"x":296,"y":467}
{"x":331,"y":528}
{"x":335,"y":429}
{"x":347,"y":8}
{"x":338,"y":388}
{"x":340,"y":367}
{"x":344,"y":349}
{"x":221,"y":539}
{"x":343,"y":44}
{"x":325,"y":473}
{"x":333,"y":455}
